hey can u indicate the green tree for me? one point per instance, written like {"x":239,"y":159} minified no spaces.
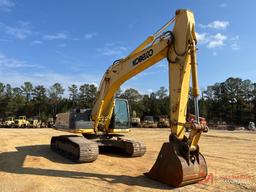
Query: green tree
{"x":2,"y":100}
{"x":18,"y":101}
{"x":162,"y":101}
{"x":55,"y":95}
{"x":39,"y":100}
{"x":134,"y":98}
{"x":131,"y":95}
{"x":27,"y":89}
{"x":161,"y":93}
{"x":8,"y":91}
{"x":254,"y":101}
{"x":2,"y":87}
{"x":8,"y":100}
{"x":73,"y":95}
{"x":87,"y":95}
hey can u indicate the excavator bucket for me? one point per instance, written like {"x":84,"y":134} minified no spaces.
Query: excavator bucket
{"x":177,"y":166}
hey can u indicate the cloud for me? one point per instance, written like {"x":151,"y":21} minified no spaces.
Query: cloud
{"x":23,"y":23}
{"x":57,"y":36}
{"x":113,"y":49}
{"x":216,"y":25}
{"x":212,"y":41}
{"x":15,"y":72}
{"x":4,"y":40}
{"x":74,"y":64}
{"x":132,"y":24}
{"x":234,"y":43}
{"x":219,"y":24}
{"x":202,"y":37}
{"x":90,"y":35}
{"x":7,"y":62}
{"x":21,"y":31}
{"x":62,"y":45}
{"x":47,"y":79}
{"x":217,"y":41}
{"x":160,"y":66}
{"x":235,"y":46}
{"x":6,"y":5}
{"x":37,"y":42}
{"x":149,"y":91}
{"x":71,"y":61}
{"x":145,"y":74}
{"x":223,"y":5}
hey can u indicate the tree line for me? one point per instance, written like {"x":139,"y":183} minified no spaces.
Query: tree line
{"x":233,"y":100}
{"x":44,"y":102}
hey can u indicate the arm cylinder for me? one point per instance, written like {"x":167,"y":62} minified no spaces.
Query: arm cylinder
{"x":195,"y":88}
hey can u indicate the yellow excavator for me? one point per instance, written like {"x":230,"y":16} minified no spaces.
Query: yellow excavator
{"x":179,"y":161}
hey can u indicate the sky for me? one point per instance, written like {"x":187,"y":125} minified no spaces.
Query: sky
{"x":74,"y":42}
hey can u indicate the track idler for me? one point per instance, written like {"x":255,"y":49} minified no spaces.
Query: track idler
{"x":177,"y":166}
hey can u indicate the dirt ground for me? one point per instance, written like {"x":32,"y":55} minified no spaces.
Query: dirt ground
{"x":27,"y":164}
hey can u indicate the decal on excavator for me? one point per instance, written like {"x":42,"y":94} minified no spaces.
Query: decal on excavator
{"x":142,"y":57}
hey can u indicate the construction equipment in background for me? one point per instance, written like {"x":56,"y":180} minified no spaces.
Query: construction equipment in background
{"x":35,"y":122}
{"x":251,"y":126}
{"x":179,"y":161}
{"x":1,"y":122}
{"x":50,"y":123}
{"x":163,"y":122}
{"x":135,"y":120}
{"x":9,"y":122}
{"x":21,"y":122}
{"x":148,"y":122}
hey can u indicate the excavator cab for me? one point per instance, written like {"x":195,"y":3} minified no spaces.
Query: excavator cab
{"x":121,"y":116}
{"x":79,"y":120}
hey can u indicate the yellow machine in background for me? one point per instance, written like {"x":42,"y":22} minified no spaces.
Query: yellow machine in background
{"x":9,"y":122}
{"x":21,"y":122}
{"x":35,"y":122}
{"x":179,"y":161}
{"x":148,"y":122}
{"x":135,"y":120}
{"x":163,"y":122}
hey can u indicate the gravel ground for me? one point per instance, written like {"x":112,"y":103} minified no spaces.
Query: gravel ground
{"x":27,"y":164}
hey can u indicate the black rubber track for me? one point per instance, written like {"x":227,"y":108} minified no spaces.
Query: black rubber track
{"x":75,"y":148}
{"x":134,"y":148}
{"x":130,"y":147}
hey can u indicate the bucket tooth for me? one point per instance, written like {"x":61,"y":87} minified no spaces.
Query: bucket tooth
{"x":176,"y":166}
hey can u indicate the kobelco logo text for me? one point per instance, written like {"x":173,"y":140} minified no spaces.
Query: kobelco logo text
{"x":143,"y":57}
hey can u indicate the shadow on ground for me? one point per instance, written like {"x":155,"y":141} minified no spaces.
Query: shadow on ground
{"x":12,"y":162}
